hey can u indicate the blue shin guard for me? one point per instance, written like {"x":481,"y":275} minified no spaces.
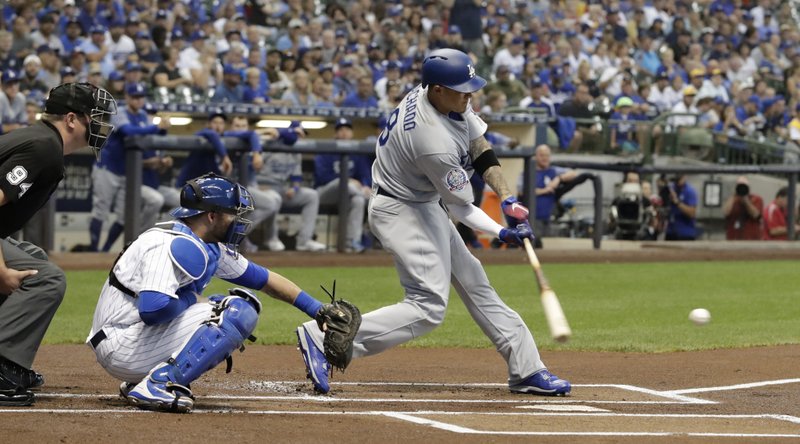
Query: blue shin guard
{"x":214,"y":341}
{"x":166,"y":387}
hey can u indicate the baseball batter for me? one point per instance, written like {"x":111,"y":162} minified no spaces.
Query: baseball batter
{"x":149,"y":330}
{"x":431,"y":145}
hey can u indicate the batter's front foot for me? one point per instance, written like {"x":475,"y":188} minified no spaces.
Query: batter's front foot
{"x":317,"y":367}
{"x":542,"y":383}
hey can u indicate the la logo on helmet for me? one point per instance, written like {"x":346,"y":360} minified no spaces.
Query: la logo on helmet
{"x":471,"y":71}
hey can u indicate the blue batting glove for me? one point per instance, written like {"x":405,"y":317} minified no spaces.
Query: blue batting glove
{"x":516,"y":236}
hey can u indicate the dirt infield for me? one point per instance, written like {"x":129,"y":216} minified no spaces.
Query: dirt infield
{"x":438,"y":395}
{"x":424,"y":395}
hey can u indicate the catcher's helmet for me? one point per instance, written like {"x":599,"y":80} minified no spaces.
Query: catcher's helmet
{"x":212,"y":192}
{"x":89,"y":100}
{"x":452,"y":69}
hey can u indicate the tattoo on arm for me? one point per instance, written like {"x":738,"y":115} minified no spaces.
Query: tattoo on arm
{"x":494,"y":174}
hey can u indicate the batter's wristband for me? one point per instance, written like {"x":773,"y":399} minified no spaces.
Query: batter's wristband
{"x":306,"y":303}
{"x":486,"y":160}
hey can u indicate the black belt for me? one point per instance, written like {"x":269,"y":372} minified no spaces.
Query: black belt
{"x":98,"y":338}
{"x":383,"y":192}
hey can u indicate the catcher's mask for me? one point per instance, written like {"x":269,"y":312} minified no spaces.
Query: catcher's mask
{"x":88,"y":100}
{"x":212,"y":192}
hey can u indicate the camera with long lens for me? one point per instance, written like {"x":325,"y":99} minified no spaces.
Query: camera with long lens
{"x":742,"y":189}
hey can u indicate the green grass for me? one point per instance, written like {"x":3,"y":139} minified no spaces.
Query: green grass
{"x":610,"y":307}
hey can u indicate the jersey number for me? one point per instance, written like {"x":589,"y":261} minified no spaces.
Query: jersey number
{"x":390,"y":123}
{"x":17,"y":175}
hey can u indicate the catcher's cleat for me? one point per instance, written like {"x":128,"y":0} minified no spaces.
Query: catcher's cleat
{"x":542,"y":383}
{"x":156,"y":392}
{"x":125,"y":388}
{"x":317,"y":367}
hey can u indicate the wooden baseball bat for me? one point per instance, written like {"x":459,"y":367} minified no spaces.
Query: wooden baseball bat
{"x":559,"y":328}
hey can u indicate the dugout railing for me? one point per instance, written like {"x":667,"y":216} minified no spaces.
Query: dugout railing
{"x":791,"y":172}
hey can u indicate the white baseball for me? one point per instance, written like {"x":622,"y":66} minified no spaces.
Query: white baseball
{"x":700,"y":316}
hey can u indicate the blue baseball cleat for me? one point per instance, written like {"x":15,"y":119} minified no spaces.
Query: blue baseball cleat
{"x":157,"y":392}
{"x":542,"y":383}
{"x":317,"y":367}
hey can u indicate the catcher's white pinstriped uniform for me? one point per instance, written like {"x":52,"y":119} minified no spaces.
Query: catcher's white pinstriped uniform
{"x":133,"y":348}
{"x":422,"y":156}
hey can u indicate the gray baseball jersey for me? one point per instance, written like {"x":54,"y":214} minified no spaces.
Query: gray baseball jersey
{"x":422,"y":157}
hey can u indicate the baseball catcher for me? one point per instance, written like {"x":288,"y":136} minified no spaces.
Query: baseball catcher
{"x":340,"y":321}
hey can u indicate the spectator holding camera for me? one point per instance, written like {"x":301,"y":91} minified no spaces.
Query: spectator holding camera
{"x":682,"y":200}
{"x":743,"y":213}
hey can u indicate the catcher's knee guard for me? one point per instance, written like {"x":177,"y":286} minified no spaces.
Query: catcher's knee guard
{"x":214,"y":341}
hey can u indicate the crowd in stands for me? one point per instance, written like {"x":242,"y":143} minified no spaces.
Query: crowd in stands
{"x":731,"y":64}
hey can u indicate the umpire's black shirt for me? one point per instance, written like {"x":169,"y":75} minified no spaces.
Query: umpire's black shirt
{"x":31,"y":166}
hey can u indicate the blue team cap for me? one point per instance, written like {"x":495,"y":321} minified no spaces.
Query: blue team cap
{"x":135,"y":90}
{"x":326,"y":67}
{"x":217,"y":112}
{"x":517,"y":41}
{"x":229,"y":69}
{"x":10,"y":75}
{"x":117,"y":23}
{"x":161,"y":14}
{"x":66,"y":71}
{"x":346,"y":63}
{"x":297,"y":124}
{"x":44,"y":48}
{"x":343,"y":121}
{"x":142,"y":35}
{"x":754,"y":99}
{"x":132,"y":66}
{"x":198,"y":35}
{"x":341,"y":33}
{"x":114,"y":76}
{"x":454,"y":29}
{"x":391,"y":64}
{"x":97,"y":29}
{"x":177,"y":34}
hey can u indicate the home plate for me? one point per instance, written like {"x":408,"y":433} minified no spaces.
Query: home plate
{"x":562,"y":408}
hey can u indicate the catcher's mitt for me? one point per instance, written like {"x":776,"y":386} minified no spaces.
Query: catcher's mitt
{"x":340,"y":321}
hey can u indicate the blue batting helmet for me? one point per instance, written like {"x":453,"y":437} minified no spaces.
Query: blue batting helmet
{"x":214,"y":193}
{"x":452,"y":69}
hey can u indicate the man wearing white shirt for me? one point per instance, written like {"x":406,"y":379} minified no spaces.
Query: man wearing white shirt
{"x":511,"y":56}
{"x":685,"y":106}
{"x":119,"y":45}
{"x":714,"y":87}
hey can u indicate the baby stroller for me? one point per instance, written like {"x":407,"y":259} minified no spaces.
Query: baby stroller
{"x":627,"y":215}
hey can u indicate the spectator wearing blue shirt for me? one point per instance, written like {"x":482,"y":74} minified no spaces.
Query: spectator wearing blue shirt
{"x":230,"y":90}
{"x":623,"y":127}
{"x":72,"y":37}
{"x":682,"y":200}
{"x":96,"y":49}
{"x":359,"y":188}
{"x":254,"y":91}
{"x":108,"y":174}
{"x":364,"y":96}
{"x":344,"y":83}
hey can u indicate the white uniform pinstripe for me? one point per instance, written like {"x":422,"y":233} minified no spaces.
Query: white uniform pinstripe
{"x":133,"y":348}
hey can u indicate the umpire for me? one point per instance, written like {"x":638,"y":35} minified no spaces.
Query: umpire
{"x":31,"y":166}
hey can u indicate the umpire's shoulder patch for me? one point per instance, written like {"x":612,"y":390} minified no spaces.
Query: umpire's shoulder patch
{"x":456,"y":179}
{"x":189,"y":256}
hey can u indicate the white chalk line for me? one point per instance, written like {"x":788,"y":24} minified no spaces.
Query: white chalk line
{"x":734,"y":387}
{"x":413,"y":417}
{"x":334,"y":399}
